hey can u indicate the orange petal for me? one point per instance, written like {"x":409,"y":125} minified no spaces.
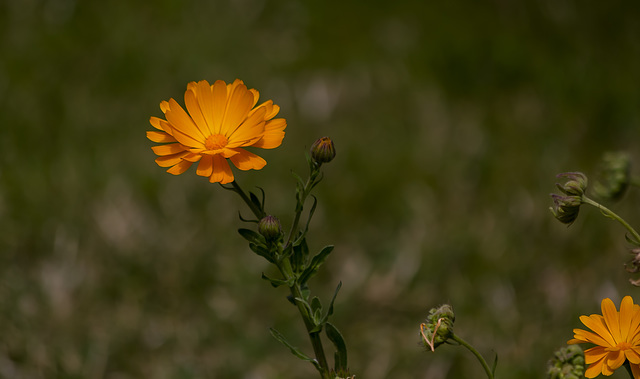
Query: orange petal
{"x":221,"y":171}
{"x":218,"y":105}
{"x":160,"y":137}
{"x":273,"y":134}
{"x":245,"y":160}
{"x":256,"y":96}
{"x":633,"y":355}
{"x":156,"y":123}
{"x":179,"y":168}
{"x":587,"y":336}
{"x":626,"y":315}
{"x":192,"y":157}
{"x":193,"y":106}
{"x":172,"y":148}
{"x":594,"y":369}
{"x":249,"y":132}
{"x":597,"y":324}
{"x":238,"y":107}
{"x":170,"y":160}
{"x":594,"y":354}
{"x":164,"y":106}
{"x":635,"y":370}
{"x":205,"y":167}
{"x":189,"y":134}
{"x":614,"y":360}
{"x":612,"y":319}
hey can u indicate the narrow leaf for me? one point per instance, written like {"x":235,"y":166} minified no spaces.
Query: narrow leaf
{"x":252,"y":236}
{"x":493,"y":367}
{"x":294,"y":350}
{"x":330,"y":312}
{"x":340,"y":356}
{"x":263,"y":252}
{"x":315,"y":264}
{"x":277,"y":282}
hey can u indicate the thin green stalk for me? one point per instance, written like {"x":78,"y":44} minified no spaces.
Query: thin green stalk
{"x":259,"y":213}
{"x":287,"y":271}
{"x":609,"y":213}
{"x":475,"y":352}
{"x":306,"y":189}
{"x":316,"y":342}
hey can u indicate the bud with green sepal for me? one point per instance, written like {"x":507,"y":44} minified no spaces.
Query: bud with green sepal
{"x":269,"y":227}
{"x":323,"y":150}
{"x":566,"y":208}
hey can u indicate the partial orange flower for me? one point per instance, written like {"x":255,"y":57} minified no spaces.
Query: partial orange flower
{"x":222,"y":120}
{"x":616,"y":336}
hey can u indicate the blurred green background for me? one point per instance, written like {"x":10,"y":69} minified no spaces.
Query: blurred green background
{"x":451,"y":120}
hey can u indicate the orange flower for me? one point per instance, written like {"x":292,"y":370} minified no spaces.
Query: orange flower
{"x":616,"y":336}
{"x":223,"y":119}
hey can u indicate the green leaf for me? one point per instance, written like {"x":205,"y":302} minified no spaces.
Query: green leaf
{"x":299,"y":257}
{"x":277,"y":282}
{"x":263,"y":252}
{"x":335,"y":294}
{"x":493,"y":367}
{"x":294,"y":350}
{"x":321,"y":322}
{"x":247,"y":220}
{"x":316,"y":307}
{"x":340,"y":356}
{"x":303,"y":233}
{"x":256,"y":201}
{"x":631,"y":240}
{"x":315,"y":264}
{"x":253,"y":237}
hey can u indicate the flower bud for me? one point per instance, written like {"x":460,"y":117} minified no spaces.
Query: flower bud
{"x":270,"y":228}
{"x":323,"y":150}
{"x":438,"y":327}
{"x":615,"y":176}
{"x":566,"y":208}
{"x":575,"y":186}
{"x":567,"y":363}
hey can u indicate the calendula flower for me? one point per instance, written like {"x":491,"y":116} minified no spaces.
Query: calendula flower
{"x":616,"y":336}
{"x":222,"y":120}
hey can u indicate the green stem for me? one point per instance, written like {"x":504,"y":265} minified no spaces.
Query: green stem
{"x":287,"y":272}
{"x":286,"y":269}
{"x":306,"y":189}
{"x":609,"y":213}
{"x":259,"y":213}
{"x":475,"y":352}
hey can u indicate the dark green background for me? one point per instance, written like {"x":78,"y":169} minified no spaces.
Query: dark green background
{"x":451,"y":120}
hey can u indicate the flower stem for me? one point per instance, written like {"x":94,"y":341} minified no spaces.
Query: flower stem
{"x":287,"y":271}
{"x":301,"y":197}
{"x":259,"y":213}
{"x":609,"y":213}
{"x":475,"y":352}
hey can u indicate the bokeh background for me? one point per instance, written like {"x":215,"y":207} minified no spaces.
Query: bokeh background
{"x":451,"y":120}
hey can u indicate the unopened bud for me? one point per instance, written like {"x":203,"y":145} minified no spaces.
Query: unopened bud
{"x":270,"y":228}
{"x":566,"y":208}
{"x":323,"y":150}
{"x":438,"y":327}
{"x":575,"y":186}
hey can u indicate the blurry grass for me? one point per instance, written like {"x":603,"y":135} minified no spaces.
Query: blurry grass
{"x":450,"y":123}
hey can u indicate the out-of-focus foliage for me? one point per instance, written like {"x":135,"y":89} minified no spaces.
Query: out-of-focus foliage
{"x":450,"y":119}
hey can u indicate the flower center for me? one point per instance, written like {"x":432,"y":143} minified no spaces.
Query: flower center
{"x":624,"y":346}
{"x":216,"y":142}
